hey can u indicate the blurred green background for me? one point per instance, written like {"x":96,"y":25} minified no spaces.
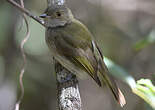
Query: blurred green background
{"x":124,"y":30}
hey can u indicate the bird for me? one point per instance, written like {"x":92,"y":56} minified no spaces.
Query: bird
{"x":74,"y":47}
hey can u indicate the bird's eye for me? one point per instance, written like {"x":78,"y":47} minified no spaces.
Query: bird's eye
{"x":58,"y":14}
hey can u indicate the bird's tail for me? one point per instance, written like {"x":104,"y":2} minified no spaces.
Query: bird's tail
{"x":107,"y":79}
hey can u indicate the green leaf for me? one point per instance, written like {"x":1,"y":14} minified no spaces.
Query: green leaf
{"x":146,"y":90}
{"x":145,"y":42}
{"x":143,"y":87}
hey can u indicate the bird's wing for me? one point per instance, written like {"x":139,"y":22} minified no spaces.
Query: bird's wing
{"x":79,"y":57}
{"x":87,"y":62}
{"x":75,"y":45}
{"x":89,"y":59}
{"x":74,"y":42}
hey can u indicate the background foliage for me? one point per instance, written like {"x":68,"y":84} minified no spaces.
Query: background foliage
{"x":124,"y":31}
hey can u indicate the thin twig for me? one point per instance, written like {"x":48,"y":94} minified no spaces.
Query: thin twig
{"x":17,"y":107}
{"x":28,"y":13}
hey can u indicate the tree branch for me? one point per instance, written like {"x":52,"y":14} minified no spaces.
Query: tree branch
{"x":68,"y":90}
{"x":28,"y":13}
{"x":67,"y":83}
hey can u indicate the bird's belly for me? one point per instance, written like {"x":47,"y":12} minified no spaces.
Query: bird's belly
{"x":70,"y":66}
{"x":63,"y":60}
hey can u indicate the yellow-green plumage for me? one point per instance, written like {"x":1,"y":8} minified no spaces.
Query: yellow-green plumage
{"x":73,"y":46}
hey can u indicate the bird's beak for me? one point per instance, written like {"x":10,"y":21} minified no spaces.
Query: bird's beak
{"x":43,"y":15}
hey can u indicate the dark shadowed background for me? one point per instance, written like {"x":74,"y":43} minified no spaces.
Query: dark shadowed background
{"x":117,"y":25}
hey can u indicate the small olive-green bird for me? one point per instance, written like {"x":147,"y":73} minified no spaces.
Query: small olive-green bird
{"x":73,"y":46}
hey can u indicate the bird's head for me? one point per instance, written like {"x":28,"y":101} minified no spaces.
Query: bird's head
{"x":58,"y":15}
